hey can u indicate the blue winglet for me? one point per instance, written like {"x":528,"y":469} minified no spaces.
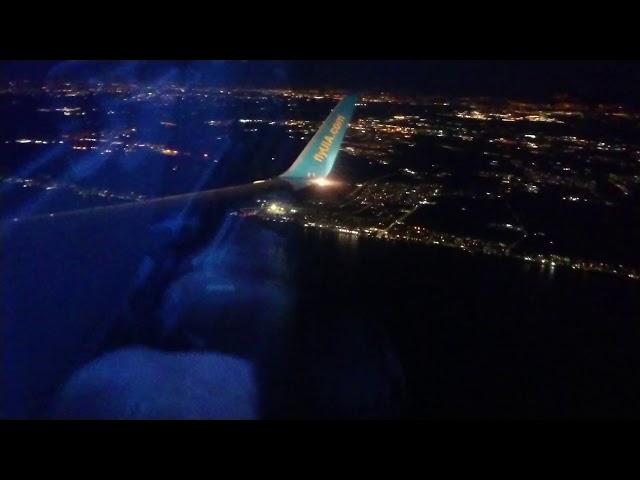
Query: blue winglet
{"x":318,"y":157}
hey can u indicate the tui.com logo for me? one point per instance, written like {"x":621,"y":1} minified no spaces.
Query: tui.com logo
{"x":323,"y":150}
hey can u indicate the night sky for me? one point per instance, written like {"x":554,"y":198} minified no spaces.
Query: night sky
{"x":607,"y":81}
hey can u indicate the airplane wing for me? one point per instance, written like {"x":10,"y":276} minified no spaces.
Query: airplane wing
{"x":314,"y":162}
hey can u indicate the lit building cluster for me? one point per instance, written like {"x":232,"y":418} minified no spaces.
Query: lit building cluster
{"x":49,"y":185}
{"x":104,"y":143}
{"x":379,"y":210}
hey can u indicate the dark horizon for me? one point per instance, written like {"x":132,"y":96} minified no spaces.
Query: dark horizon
{"x":590,"y":81}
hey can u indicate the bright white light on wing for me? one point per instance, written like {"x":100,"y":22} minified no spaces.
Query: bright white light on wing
{"x":323,"y":182}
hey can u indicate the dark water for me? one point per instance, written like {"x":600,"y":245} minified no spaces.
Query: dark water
{"x":338,"y":326}
{"x":477,"y":336}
